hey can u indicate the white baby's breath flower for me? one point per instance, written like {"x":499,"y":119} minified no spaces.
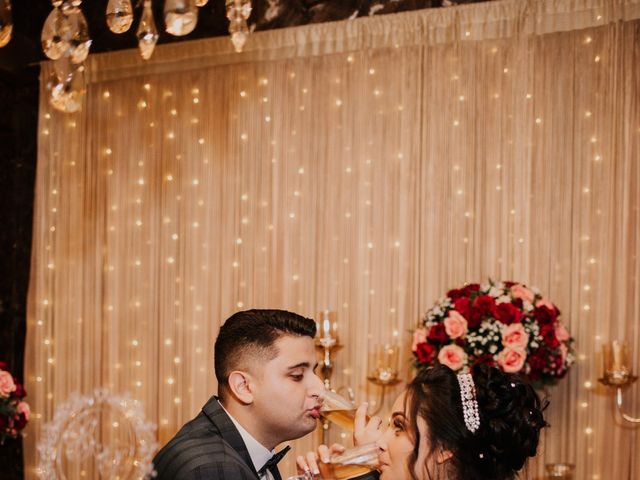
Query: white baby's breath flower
{"x":503,"y":299}
{"x":495,"y":292}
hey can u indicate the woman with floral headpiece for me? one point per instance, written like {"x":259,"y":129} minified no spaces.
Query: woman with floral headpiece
{"x":480,"y":426}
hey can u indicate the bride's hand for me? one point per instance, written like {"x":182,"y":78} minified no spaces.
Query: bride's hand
{"x":366,"y":432}
{"x":317,"y":463}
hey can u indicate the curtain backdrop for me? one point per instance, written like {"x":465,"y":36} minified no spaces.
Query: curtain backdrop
{"x":364,"y":167}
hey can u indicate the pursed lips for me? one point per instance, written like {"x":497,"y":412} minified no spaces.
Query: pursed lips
{"x":315,"y":410}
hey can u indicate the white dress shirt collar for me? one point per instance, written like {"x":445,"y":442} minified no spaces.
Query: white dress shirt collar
{"x":259,"y":453}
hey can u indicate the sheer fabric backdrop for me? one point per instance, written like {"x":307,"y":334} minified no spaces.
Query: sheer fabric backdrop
{"x":364,"y":167}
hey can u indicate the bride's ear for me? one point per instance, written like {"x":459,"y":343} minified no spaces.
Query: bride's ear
{"x":443,"y":455}
{"x":240,"y":386}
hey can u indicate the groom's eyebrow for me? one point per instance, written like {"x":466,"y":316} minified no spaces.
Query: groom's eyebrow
{"x":300,"y":365}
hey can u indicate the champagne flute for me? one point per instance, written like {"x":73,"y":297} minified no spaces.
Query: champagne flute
{"x":355,"y":461}
{"x":351,"y":463}
{"x":338,"y":410}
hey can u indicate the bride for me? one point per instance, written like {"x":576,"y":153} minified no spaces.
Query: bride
{"x":446,"y":426}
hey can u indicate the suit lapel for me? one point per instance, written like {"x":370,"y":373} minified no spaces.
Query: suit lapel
{"x":228,"y":431}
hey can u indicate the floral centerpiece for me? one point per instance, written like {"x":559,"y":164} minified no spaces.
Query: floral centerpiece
{"x":14,"y":413}
{"x":504,"y":324}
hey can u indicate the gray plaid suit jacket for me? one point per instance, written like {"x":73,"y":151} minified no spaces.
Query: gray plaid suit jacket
{"x":209,"y":447}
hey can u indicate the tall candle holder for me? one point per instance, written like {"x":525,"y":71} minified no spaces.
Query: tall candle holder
{"x":383,"y":370}
{"x":617,"y":374}
{"x":327,"y":343}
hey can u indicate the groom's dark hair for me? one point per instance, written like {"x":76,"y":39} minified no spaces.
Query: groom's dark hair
{"x":251,"y":334}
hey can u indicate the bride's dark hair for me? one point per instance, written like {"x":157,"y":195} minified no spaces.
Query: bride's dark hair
{"x":510,"y":422}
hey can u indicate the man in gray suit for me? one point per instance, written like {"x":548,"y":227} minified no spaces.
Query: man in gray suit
{"x":268,"y":394}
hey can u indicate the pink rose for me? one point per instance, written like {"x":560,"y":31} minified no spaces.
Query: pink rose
{"x":522,"y":292}
{"x":514,"y":336}
{"x":564,"y":351}
{"x":23,"y":407}
{"x":419,"y":336}
{"x":561,"y":333}
{"x":511,"y":360}
{"x":455,"y":325}
{"x":6,"y":384}
{"x":452,"y":356}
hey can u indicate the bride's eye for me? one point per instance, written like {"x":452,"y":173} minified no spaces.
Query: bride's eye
{"x":398,"y":425}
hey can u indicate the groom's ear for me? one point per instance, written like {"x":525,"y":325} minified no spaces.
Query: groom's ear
{"x":240,"y":386}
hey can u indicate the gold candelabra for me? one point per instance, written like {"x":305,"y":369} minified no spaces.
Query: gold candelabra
{"x":382,"y":365}
{"x":617,"y":374}
{"x":383,"y":370}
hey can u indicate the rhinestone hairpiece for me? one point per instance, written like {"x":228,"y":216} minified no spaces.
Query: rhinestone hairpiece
{"x":469,"y":402}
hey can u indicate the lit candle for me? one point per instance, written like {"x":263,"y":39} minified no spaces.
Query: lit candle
{"x":326,"y":326}
{"x":618,"y":361}
{"x":329,"y":328}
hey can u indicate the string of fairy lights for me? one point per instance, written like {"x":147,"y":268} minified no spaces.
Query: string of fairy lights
{"x":177,"y":117}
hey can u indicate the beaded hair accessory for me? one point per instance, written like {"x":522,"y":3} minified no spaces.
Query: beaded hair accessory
{"x":469,"y":402}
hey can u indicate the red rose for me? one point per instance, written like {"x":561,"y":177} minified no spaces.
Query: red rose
{"x":509,"y":284}
{"x":463,"y":307}
{"x":426,"y":352}
{"x":471,"y":288}
{"x":544,"y":315}
{"x":508,"y":314}
{"x":517,"y":302}
{"x":20,"y":421}
{"x":548,"y":333}
{"x":475,"y":318}
{"x":537,"y":361}
{"x":437,"y":334}
{"x":3,"y":365}
{"x":455,"y":294}
{"x":19,"y":392}
{"x":485,"y":304}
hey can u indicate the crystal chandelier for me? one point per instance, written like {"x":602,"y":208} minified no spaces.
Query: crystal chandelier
{"x":65,"y":36}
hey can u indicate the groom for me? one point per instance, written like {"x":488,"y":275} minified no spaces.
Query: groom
{"x":268,"y":393}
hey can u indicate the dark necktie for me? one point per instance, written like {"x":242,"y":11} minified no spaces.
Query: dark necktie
{"x":272,"y":464}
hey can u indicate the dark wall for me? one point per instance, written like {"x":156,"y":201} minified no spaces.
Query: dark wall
{"x":18,"y":153}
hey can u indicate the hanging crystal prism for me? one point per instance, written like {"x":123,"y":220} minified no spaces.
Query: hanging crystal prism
{"x":6,"y":22}
{"x":66,"y":35}
{"x":53,"y":45}
{"x":180,"y":16}
{"x":119,"y":15}
{"x":147,"y":32}
{"x":201,"y":3}
{"x":68,"y":89}
{"x":238,"y":12}
{"x":77,"y":36}
{"x":70,"y":6}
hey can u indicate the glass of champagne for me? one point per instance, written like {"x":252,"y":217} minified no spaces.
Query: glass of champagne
{"x":351,"y":463}
{"x":355,"y":461}
{"x":338,"y":410}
